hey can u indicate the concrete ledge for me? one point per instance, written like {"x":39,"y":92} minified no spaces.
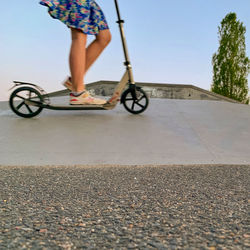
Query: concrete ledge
{"x":156,"y":90}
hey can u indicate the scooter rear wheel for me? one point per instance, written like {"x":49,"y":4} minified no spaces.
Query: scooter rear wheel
{"x":135,"y":100}
{"x":20,"y":107}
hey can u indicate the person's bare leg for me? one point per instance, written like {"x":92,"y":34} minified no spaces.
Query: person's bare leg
{"x":77,"y":59}
{"x":94,"y":50}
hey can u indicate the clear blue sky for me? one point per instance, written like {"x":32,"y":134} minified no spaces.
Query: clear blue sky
{"x":169,"y":42}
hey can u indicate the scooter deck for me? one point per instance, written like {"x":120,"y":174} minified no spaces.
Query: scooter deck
{"x":106,"y":106}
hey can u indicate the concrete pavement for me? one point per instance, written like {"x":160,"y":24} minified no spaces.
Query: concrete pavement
{"x":169,"y":132}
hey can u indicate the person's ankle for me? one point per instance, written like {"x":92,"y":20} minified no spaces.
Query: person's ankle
{"x":76,"y":94}
{"x":78,"y":90}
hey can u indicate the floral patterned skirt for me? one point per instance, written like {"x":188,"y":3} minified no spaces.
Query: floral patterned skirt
{"x":85,"y":15}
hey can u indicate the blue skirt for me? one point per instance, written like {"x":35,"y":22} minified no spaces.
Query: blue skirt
{"x":85,"y":15}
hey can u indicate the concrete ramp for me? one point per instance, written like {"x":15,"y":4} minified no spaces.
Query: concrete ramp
{"x":169,"y":132}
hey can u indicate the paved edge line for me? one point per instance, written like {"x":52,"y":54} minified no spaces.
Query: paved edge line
{"x":124,"y":166}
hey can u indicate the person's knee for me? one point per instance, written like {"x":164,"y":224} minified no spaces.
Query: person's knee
{"x":77,"y":35}
{"x":108,"y":38}
{"x":104,"y":38}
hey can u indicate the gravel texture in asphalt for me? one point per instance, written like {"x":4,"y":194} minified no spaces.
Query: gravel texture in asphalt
{"x":133,"y":207}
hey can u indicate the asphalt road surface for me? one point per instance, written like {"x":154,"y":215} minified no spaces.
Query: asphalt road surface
{"x":125,"y":207}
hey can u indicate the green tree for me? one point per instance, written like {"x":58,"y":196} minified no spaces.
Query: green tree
{"x":231,"y":66}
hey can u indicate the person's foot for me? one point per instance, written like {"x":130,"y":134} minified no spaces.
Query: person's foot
{"x":67,"y":83}
{"x":85,"y":98}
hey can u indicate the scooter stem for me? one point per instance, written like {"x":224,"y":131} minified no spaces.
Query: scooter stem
{"x":127,"y":62}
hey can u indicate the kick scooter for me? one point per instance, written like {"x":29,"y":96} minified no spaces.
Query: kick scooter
{"x":28,"y":100}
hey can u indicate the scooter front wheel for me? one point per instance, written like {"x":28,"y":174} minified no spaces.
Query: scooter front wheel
{"x":18,"y":103}
{"x":135,"y":100}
